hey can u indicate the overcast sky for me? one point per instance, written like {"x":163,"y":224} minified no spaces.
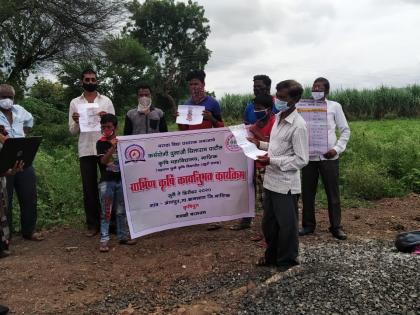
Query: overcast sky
{"x":357,"y":43}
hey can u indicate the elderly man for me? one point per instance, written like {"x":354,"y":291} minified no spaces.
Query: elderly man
{"x":17,"y":122}
{"x":88,"y":157}
{"x":288,"y":152}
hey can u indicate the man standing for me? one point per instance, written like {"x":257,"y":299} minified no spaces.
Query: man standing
{"x":212,"y":117}
{"x":87,"y":147}
{"x":326,"y":165}
{"x":288,"y":152}
{"x":145,"y":118}
{"x":262,"y":86}
{"x":17,"y":123}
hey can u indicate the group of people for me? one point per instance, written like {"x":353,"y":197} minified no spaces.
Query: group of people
{"x":273,"y":123}
{"x":277,"y":128}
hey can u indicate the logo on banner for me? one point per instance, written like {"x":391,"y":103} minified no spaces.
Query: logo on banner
{"x":231,"y":144}
{"x":134,"y":153}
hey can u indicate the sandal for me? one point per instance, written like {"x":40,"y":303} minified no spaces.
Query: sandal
{"x":238,"y":227}
{"x":103,"y":247}
{"x":37,"y":237}
{"x":213,"y":227}
{"x":261,"y":244}
{"x":91,"y":232}
{"x":262,"y":262}
{"x":128,"y":242}
{"x":257,"y":238}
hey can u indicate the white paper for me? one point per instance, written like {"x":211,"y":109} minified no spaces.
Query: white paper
{"x":250,"y":150}
{"x":315,"y":114}
{"x":190,"y":115}
{"x":89,"y":119}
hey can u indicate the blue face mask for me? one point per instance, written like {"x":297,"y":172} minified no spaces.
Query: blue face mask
{"x":260,"y":114}
{"x":281,"y":106}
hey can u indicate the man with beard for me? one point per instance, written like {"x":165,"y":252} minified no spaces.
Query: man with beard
{"x":88,"y":157}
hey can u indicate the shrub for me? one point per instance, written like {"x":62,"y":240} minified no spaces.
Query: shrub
{"x":49,"y":123}
{"x":59,"y":187}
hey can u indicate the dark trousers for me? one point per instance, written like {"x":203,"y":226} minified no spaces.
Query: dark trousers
{"x":89,"y":172}
{"x":329,"y":170}
{"x":24,"y":183}
{"x":280,"y":228}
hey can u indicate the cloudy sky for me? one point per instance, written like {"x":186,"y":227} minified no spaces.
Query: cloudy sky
{"x":357,"y":43}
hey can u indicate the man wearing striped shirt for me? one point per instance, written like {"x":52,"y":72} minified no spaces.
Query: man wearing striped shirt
{"x":287,"y":153}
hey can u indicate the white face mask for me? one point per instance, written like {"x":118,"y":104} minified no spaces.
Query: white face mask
{"x":317,"y":95}
{"x":6,"y":103}
{"x":144,"y":104}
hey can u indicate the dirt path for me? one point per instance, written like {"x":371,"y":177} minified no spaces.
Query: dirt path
{"x":164,"y":272}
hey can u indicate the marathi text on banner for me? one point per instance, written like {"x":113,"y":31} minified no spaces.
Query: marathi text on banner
{"x":315,"y":114}
{"x":184,"y":178}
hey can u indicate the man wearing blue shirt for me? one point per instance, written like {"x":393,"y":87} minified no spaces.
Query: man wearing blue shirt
{"x":17,"y":122}
{"x":262,"y":85}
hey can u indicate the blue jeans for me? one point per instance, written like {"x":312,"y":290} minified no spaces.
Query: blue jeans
{"x":112,"y":199}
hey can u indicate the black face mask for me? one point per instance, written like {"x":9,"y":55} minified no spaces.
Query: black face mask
{"x":90,"y":87}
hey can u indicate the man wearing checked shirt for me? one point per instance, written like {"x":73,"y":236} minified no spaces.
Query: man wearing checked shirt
{"x":18,"y":122}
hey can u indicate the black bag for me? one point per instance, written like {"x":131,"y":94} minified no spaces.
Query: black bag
{"x":406,"y":241}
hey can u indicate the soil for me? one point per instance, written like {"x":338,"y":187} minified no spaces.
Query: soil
{"x":180,"y":271}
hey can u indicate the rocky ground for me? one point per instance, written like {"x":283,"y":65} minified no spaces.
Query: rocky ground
{"x":194,"y":271}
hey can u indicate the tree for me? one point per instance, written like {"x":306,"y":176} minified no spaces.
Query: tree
{"x":49,"y":92}
{"x":175,"y":34}
{"x":35,"y":32}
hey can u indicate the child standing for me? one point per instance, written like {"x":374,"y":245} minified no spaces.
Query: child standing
{"x":110,"y":187}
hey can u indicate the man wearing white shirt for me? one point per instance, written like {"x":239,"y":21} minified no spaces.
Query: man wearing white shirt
{"x":287,"y":153}
{"x":326,"y":165}
{"x":87,"y":146}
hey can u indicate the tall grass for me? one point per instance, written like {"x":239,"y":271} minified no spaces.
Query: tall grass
{"x":383,"y":102}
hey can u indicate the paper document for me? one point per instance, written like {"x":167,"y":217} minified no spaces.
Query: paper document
{"x":190,"y":114}
{"x":315,"y":115}
{"x":250,"y":150}
{"x":89,"y":119}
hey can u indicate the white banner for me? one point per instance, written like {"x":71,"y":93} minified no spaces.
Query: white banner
{"x":315,"y":114}
{"x":184,"y":178}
